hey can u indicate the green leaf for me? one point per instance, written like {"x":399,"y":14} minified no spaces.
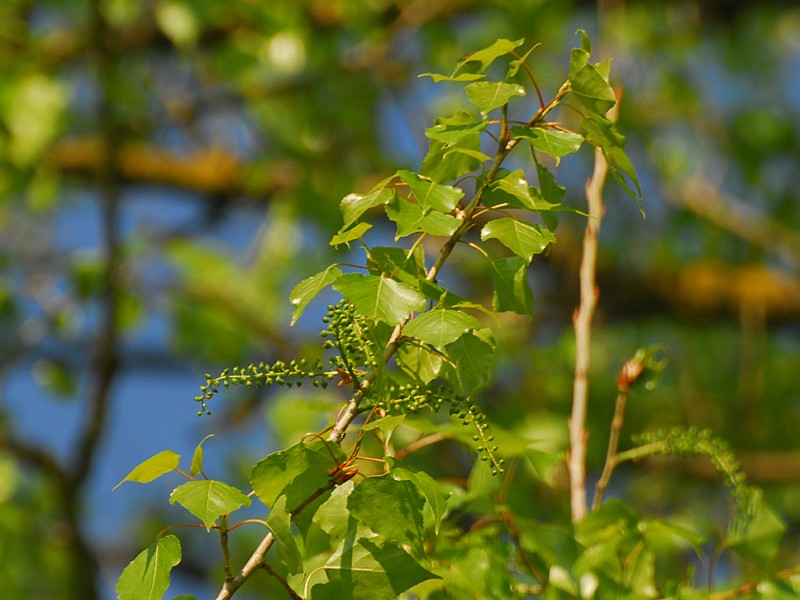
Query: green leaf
{"x":435,"y":495}
{"x":333,"y":516}
{"x":488,"y":55}
{"x":153,"y":468}
{"x":376,"y":572}
{"x":279,"y":522}
{"x":296,"y":472}
{"x":488,"y":95}
{"x":602,"y":133}
{"x":419,"y":362}
{"x":305,"y":291}
{"x":208,"y":499}
{"x":515,"y":185}
{"x":380,"y":298}
{"x":396,"y":263}
{"x":551,"y":192}
{"x":147,"y":576}
{"x":511,"y":289}
{"x":197,"y":457}
{"x":523,"y":239}
{"x":390,"y":508}
{"x":412,"y":218}
{"x":554,"y":142}
{"x":429,"y":195}
{"x":516,"y":64}
{"x":440,"y":326}
{"x":589,"y":83}
{"x":354,"y":233}
{"x":459,"y":130}
{"x":474,"y":357}
{"x":438,"y":77}
{"x":355,"y":205}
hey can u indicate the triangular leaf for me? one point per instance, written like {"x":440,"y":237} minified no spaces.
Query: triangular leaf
{"x":460,"y":129}
{"x":601,"y":132}
{"x":305,"y":291}
{"x":440,"y":327}
{"x":208,"y":500}
{"x":441,"y":164}
{"x":355,"y":205}
{"x":511,"y":184}
{"x":589,"y":83}
{"x":333,"y":516}
{"x":352,"y":234}
{"x":412,"y":218}
{"x":419,"y":362}
{"x":153,"y":468}
{"x":486,"y":56}
{"x":147,"y":576}
{"x":511,"y":289}
{"x":429,"y":195}
{"x":488,"y":95}
{"x":554,"y":142}
{"x":523,"y":239}
{"x":435,"y":495}
{"x":380,"y":298}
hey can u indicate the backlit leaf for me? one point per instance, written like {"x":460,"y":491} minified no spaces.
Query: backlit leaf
{"x":429,"y":195}
{"x":435,"y":495}
{"x":350,"y":235}
{"x":305,"y":291}
{"x":412,"y":218}
{"x":589,"y":83}
{"x":279,"y":522}
{"x":208,"y":500}
{"x":147,"y":576}
{"x":380,"y":298}
{"x":153,"y":468}
{"x":440,"y":327}
{"x":523,"y":239}
{"x":554,"y":142}
{"x":355,"y":205}
{"x":474,"y":357}
{"x":197,"y":457}
{"x":488,"y":95}
{"x":486,"y":56}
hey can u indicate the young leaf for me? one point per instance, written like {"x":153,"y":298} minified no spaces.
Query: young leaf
{"x":429,"y":195}
{"x":279,"y":522}
{"x":147,"y":576}
{"x":376,"y":572}
{"x":296,"y":472}
{"x":305,"y":291}
{"x":523,"y":239}
{"x":511,"y":289}
{"x":380,"y":298}
{"x":511,"y":184}
{"x":412,"y":218}
{"x":354,"y":233}
{"x":488,"y":95}
{"x":197,"y":457}
{"x":474,"y":357}
{"x":589,"y":82}
{"x":153,"y":468}
{"x":355,"y":205}
{"x":441,"y":326}
{"x":390,"y":508}
{"x":554,"y":142}
{"x":208,"y":500}
{"x":488,"y":55}
{"x":459,"y":130}
{"x":601,"y":132}
{"x":438,"y":77}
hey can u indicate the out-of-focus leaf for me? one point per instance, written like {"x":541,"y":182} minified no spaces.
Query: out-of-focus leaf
{"x":153,"y":468}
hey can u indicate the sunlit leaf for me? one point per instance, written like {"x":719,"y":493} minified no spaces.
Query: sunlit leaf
{"x":488,"y":95}
{"x":462,"y":129}
{"x":523,"y":239}
{"x":355,"y":205}
{"x":429,"y":195}
{"x":440,"y":327}
{"x":305,"y":291}
{"x":153,"y":468}
{"x":486,"y":56}
{"x":380,"y":298}
{"x":589,"y":82}
{"x":208,"y":500}
{"x":419,"y":362}
{"x":412,"y":218}
{"x":350,"y":235}
{"x":602,"y":133}
{"x":377,"y":572}
{"x":435,"y":495}
{"x":554,"y":142}
{"x":333,"y":516}
{"x":147,"y":576}
{"x":197,"y":457}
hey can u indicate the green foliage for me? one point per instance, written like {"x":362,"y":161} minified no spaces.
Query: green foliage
{"x":403,"y":345}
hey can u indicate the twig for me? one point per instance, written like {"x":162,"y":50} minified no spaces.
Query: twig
{"x":419,"y":444}
{"x":582,"y":322}
{"x":285,"y":584}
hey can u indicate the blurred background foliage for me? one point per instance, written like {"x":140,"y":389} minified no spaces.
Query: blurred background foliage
{"x":169,"y":169}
